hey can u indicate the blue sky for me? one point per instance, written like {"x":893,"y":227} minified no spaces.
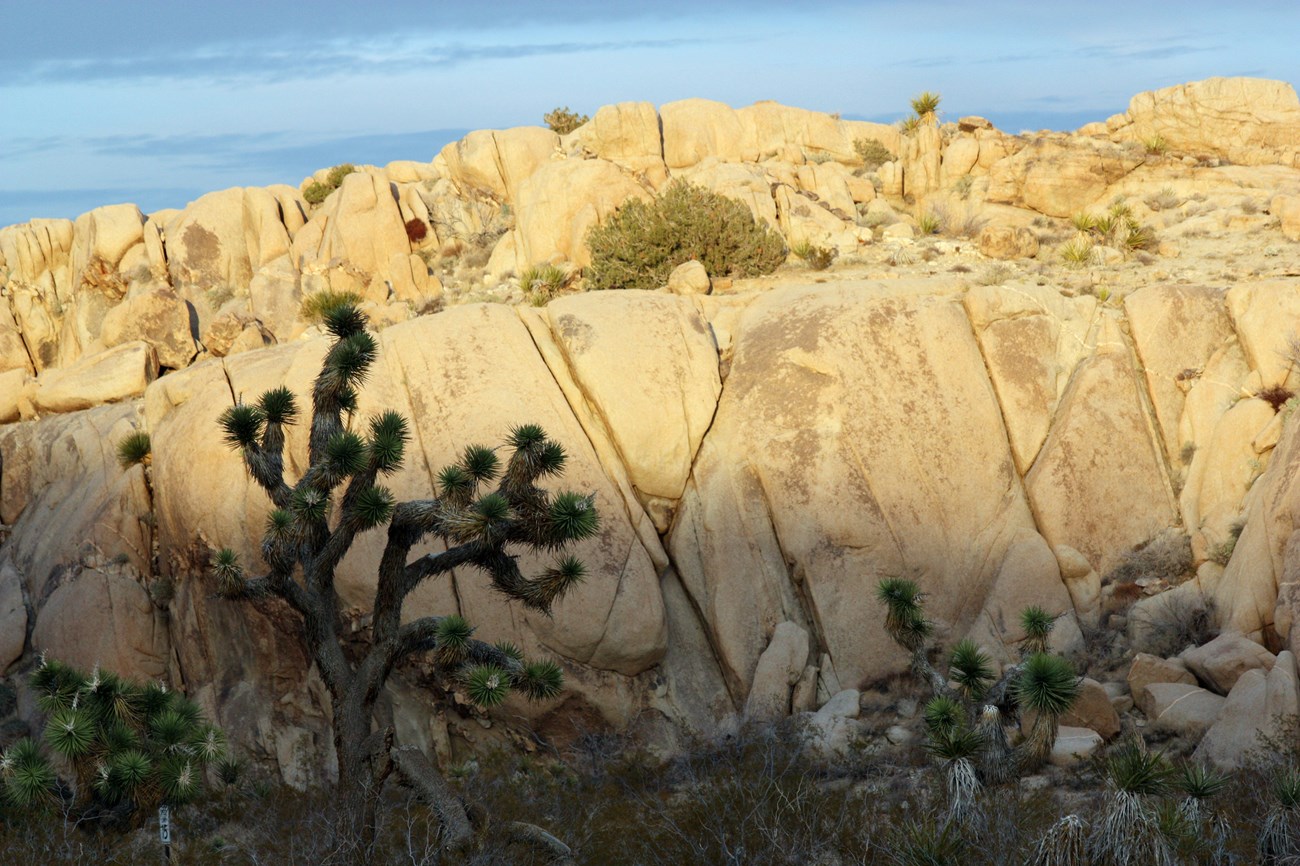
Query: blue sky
{"x":104,"y":101}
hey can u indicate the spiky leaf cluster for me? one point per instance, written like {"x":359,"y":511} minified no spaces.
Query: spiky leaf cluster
{"x":904,"y":618}
{"x":133,"y":448}
{"x":1047,"y":684}
{"x":123,"y":742}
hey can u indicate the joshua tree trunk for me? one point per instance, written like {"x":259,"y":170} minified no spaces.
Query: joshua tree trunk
{"x":314,"y":524}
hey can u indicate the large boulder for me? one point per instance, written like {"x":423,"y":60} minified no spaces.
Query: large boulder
{"x":819,"y":374}
{"x":1148,"y":669}
{"x":626,"y":134}
{"x":1221,"y":662}
{"x":1249,"y":121}
{"x":1098,"y":484}
{"x":658,"y":426}
{"x":353,"y":240}
{"x":1008,"y":242}
{"x":694,"y":129}
{"x":1186,"y":710}
{"x":116,"y":374}
{"x":1060,"y":176}
{"x":1175,"y":328}
{"x":559,"y":203}
{"x":222,"y":239}
{"x":497,"y":161}
{"x":777,"y":671}
{"x":1259,"y":705}
{"x":160,"y":318}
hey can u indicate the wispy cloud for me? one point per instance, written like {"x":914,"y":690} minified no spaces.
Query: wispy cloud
{"x":275,"y":61}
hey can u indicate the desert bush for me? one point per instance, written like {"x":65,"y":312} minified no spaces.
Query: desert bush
{"x":316,"y":307}
{"x":1165,"y":199}
{"x":995,"y":274}
{"x":1173,"y":623}
{"x":872,"y":153}
{"x":1155,"y":145}
{"x":416,"y":230}
{"x":317,"y":191}
{"x":638,"y":246}
{"x":1166,"y":556}
{"x":563,"y":121}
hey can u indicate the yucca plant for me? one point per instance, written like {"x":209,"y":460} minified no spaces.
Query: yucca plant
{"x":925,"y":842}
{"x":541,"y":284}
{"x":133,"y":448}
{"x":929,"y":223}
{"x":957,"y":748}
{"x":125,"y":748}
{"x":1129,"y":832}
{"x":1048,"y":686}
{"x":1076,"y":252}
{"x":1064,"y":844}
{"x":1279,"y":839}
{"x":488,"y":504}
{"x":926,"y":104}
{"x":971,"y":700}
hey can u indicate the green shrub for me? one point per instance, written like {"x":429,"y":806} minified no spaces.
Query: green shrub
{"x":317,"y":191}
{"x":337,"y":173}
{"x":563,"y":121}
{"x":872,"y":153}
{"x":641,"y":243}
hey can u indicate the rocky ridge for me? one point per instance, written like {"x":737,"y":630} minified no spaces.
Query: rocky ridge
{"x":761,"y":453}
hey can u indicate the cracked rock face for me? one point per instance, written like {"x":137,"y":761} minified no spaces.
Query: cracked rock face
{"x":861,"y":430}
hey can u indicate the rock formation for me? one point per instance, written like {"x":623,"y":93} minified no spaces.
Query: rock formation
{"x":761,"y":455}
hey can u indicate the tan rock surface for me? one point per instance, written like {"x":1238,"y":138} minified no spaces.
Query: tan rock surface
{"x":1175,"y":331}
{"x":626,"y":134}
{"x":1221,"y":662}
{"x":121,"y":372}
{"x":1008,"y":242}
{"x":1059,"y":177}
{"x":778,"y":669}
{"x":657,"y":427}
{"x":1247,"y":120}
{"x":816,"y":373}
{"x":1147,"y":669}
{"x":560,"y":202}
{"x":697,"y":128}
{"x":1098,"y":485}
{"x":1185,"y":710}
{"x":357,"y":231}
{"x":1259,"y":704}
{"x":497,"y":161}
{"x":158,"y":317}
{"x":95,"y":618}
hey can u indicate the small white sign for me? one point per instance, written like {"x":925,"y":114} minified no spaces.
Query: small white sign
{"x":165,"y":825}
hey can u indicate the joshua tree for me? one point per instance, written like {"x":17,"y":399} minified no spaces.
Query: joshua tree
{"x":315,"y":522}
{"x":128,"y":748}
{"x":967,"y":717}
{"x":1129,"y":832}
